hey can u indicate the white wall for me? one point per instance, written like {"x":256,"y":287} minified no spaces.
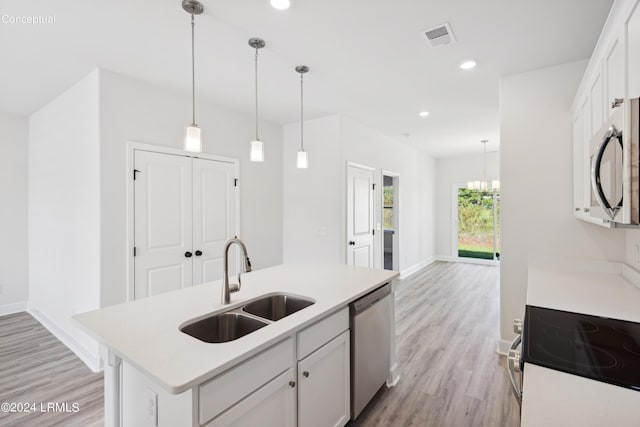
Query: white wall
{"x":311,"y":197}
{"x":417,"y":195}
{"x":315,"y":199}
{"x":451,"y":171}
{"x":64,"y":213}
{"x":14,"y":273}
{"x":536,"y":183}
{"x":131,"y":110}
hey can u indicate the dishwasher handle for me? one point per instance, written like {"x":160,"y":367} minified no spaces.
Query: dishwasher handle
{"x":370,"y":299}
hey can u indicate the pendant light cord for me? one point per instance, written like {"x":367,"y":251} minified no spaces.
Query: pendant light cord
{"x":256,"y":87}
{"x":302,"y":111}
{"x":193,"y":69}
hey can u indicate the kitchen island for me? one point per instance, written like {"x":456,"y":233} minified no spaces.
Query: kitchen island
{"x":157,"y":375}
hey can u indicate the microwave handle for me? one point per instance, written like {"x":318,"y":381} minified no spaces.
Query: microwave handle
{"x":596,"y":183}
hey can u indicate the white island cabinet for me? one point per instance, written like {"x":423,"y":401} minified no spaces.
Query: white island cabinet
{"x":292,"y":372}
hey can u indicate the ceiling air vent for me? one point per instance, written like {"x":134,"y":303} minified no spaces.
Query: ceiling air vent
{"x":440,"y":35}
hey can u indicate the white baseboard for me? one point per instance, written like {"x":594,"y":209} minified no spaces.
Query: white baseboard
{"x":93,"y":362}
{"x":415,"y":268}
{"x":447,"y":258}
{"x":503,"y":347}
{"x":12,"y":308}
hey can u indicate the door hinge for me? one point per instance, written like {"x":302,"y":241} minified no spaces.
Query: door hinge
{"x":235,"y":182}
{"x":134,"y":251}
{"x":374,"y":187}
{"x":135,"y":174}
{"x":373,"y":232}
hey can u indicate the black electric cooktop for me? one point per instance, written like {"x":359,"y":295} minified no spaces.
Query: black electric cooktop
{"x":593,"y":347}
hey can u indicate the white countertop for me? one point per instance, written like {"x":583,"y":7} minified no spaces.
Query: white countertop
{"x":145,"y":333}
{"x":552,"y":398}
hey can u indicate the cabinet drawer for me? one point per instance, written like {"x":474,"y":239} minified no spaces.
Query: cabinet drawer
{"x":235,"y":384}
{"x":322,"y":332}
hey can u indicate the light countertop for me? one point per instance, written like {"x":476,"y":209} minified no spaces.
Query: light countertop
{"x":553,"y":398}
{"x":145,"y":333}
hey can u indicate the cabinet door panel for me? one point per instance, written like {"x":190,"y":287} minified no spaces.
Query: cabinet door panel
{"x":585,"y":156}
{"x":272,"y":405}
{"x":614,"y":67}
{"x":633,"y":52}
{"x":596,"y":97}
{"x":578,"y":164}
{"x":324,"y":385}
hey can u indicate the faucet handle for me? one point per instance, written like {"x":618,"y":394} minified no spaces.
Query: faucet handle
{"x":235,"y":287}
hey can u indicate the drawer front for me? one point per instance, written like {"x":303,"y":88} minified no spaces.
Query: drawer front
{"x":322,"y":332}
{"x":237,"y":383}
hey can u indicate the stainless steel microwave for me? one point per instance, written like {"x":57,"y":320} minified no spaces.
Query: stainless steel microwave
{"x":615,"y":157}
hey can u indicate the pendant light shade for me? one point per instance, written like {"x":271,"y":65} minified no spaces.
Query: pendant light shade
{"x":257,"y":147}
{"x":193,"y":135}
{"x":302,"y":161}
{"x":257,"y":151}
{"x":193,"y":139}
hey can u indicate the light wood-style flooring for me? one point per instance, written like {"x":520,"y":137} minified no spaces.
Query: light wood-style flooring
{"x":450,"y":374}
{"x":35,"y":367}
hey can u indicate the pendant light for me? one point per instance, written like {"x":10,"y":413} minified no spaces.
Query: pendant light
{"x":302,"y":161}
{"x":484,"y":184}
{"x":193,"y":134}
{"x":257,"y":146}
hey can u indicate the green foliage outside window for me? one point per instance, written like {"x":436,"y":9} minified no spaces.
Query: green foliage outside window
{"x":475,"y":224}
{"x":388,"y":208}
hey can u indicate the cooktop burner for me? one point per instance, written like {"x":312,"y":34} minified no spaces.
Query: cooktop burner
{"x":594,"y":347}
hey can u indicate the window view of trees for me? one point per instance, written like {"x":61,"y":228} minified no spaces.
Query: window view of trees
{"x":475,"y":224}
{"x":388,"y":208}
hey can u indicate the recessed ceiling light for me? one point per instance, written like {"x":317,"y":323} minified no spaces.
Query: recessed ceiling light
{"x":467,"y":65}
{"x":424,"y":113}
{"x":280,"y":4}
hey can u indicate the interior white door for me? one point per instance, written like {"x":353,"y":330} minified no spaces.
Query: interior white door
{"x":163,"y":217}
{"x":360,"y":216}
{"x":214,"y":213}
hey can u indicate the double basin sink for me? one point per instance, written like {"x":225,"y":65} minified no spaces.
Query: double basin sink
{"x":240,"y":321}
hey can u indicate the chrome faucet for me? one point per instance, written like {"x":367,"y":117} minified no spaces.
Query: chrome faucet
{"x":227,"y":289}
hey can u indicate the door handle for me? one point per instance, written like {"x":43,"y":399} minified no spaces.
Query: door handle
{"x":352,"y":243}
{"x":198,"y":253}
{"x":188,"y":254}
{"x":306,"y":374}
{"x":617,"y":102}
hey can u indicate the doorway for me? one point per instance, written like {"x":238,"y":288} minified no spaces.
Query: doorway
{"x":390,"y":220}
{"x":477,"y":224}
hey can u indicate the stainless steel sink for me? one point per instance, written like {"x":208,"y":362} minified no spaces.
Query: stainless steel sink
{"x":223,"y":327}
{"x":275,"y":307}
{"x":240,"y":321}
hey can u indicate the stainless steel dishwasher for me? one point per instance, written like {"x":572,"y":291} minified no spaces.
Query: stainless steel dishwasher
{"x":370,"y":346}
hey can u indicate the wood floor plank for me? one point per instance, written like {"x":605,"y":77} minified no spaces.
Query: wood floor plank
{"x":36,"y":367}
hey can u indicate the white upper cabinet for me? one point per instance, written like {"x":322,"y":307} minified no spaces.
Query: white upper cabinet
{"x":633,"y":52}
{"x":614,"y":72}
{"x":596,"y":98}
{"x":578,"y":166}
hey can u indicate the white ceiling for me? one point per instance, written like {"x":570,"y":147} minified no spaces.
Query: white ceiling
{"x":368,"y":58}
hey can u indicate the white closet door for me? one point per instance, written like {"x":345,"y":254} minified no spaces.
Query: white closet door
{"x":214,"y":213}
{"x":163,"y":223}
{"x":360,"y":216}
